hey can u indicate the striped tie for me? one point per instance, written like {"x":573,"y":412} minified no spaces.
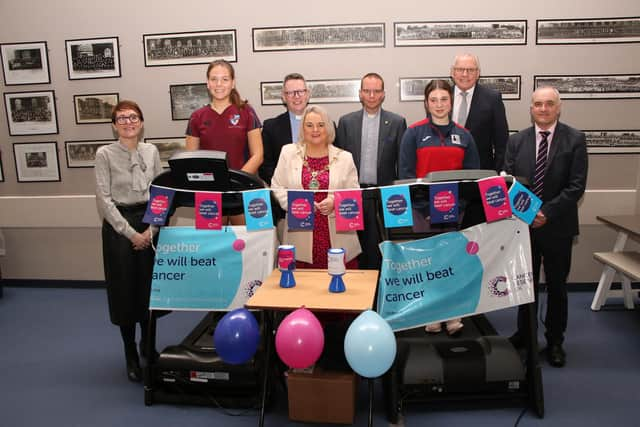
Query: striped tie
{"x":541,"y":163}
{"x":462,"y":115}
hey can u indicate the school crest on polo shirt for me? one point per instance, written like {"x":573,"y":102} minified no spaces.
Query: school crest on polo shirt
{"x":234,"y":119}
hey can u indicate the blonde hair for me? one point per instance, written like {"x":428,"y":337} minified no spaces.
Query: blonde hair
{"x":331,"y":130}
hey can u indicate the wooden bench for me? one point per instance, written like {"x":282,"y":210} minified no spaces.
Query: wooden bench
{"x":627,"y":265}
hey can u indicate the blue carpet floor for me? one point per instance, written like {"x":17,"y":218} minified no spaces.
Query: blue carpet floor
{"x":61,"y":364}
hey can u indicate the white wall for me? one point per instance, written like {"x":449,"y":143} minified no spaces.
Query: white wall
{"x":48,"y":243}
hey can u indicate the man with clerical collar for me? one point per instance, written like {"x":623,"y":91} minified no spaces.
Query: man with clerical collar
{"x":372,"y":135}
{"x":284,"y":128}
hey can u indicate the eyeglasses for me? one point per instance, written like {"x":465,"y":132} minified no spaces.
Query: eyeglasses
{"x":464,"y":70}
{"x":132,"y":118}
{"x":372,"y":91}
{"x":295,"y":93}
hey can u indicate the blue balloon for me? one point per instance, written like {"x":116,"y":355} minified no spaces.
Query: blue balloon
{"x":370,"y":345}
{"x":237,"y":336}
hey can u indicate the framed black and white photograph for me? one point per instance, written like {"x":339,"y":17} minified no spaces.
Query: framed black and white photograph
{"x":36,"y":161}
{"x":594,"y":86}
{"x":318,"y":37}
{"x":588,"y":31}
{"x":95,"y":107}
{"x":187,"y":98}
{"x":82,"y":154}
{"x":93,"y":58}
{"x":168,"y":146}
{"x":460,"y":33}
{"x":25,"y":63}
{"x":412,"y":89}
{"x":197,"y":47}
{"x":613,"y":141}
{"x":31,"y":113}
{"x":322,"y":91}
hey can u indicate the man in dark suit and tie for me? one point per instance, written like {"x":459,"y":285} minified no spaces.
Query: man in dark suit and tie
{"x":553,"y":157}
{"x":480,"y":110}
{"x":284,"y":128}
{"x":372,"y":135}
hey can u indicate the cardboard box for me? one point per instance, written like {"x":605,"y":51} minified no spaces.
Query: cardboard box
{"x":322,"y":396}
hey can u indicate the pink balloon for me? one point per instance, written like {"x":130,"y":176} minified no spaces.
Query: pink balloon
{"x":300,"y":339}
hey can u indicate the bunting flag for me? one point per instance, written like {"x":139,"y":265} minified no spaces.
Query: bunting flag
{"x":257,"y":209}
{"x":495,"y":200}
{"x":443,"y":204}
{"x":300,"y":210}
{"x":159,"y":205}
{"x":208,"y":210}
{"x":480,"y":269}
{"x":396,"y":206}
{"x":524,"y":204}
{"x":348,"y":209}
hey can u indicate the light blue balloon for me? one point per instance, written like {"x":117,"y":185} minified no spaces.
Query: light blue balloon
{"x":370,"y":345}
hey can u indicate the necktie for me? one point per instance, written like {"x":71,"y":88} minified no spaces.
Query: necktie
{"x":541,"y":164}
{"x":462,"y":112}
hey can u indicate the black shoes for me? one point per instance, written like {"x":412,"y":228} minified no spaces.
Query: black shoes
{"x":556,"y":355}
{"x":134,"y":372}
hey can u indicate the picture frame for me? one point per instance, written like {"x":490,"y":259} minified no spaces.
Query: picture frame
{"x":97,"y":58}
{"x":25,"y":63}
{"x":31,"y":113}
{"x":94,"y":107}
{"x":460,"y":33}
{"x":412,"y":89}
{"x":613,"y":141}
{"x":592,"y":86}
{"x":1,"y":170}
{"x":588,"y":31}
{"x":194,"y":47}
{"x":328,"y":91}
{"x":187,"y":98}
{"x":82,"y":154}
{"x":36,"y":161}
{"x":168,"y":146}
{"x":336,"y":36}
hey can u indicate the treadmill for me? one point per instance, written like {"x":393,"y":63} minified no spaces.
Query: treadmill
{"x":191,"y":372}
{"x":476,"y":367}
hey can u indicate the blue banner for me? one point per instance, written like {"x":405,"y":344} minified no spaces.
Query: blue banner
{"x":257,"y":209}
{"x":524,"y":204}
{"x":480,"y":269}
{"x":443,"y":205}
{"x":209,"y":269}
{"x":159,"y":205}
{"x":301,"y":210}
{"x":396,"y":206}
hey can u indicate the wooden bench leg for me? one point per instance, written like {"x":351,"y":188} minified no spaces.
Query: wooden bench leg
{"x":604,"y":285}
{"x":627,"y":293}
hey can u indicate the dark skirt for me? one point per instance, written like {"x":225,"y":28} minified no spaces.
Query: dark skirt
{"x":127,"y":272}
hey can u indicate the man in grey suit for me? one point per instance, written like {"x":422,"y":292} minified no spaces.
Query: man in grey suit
{"x":480,"y":110}
{"x":553,"y":157}
{"x":372,"y":135}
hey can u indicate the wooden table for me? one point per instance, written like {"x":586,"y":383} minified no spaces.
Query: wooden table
{"x":312,"y":292}
{"x":618,"y":261}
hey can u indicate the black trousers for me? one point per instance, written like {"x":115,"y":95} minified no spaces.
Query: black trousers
{"x":127,"y":272}
{"x":370,"y":258}
{"x":554,"y":255}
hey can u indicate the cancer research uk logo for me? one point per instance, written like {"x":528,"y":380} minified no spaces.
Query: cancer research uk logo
{"x":498,"y":286}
